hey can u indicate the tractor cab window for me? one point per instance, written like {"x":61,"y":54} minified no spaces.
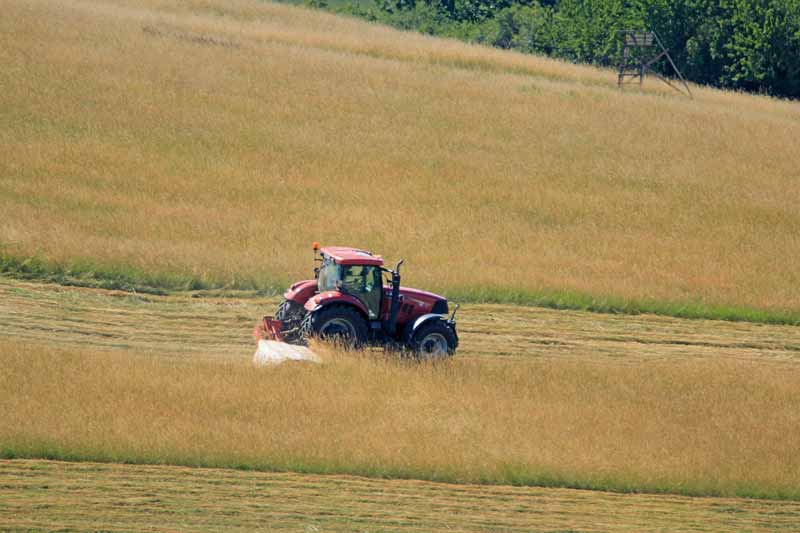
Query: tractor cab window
{"x":365,"y":283}
{"x":329,"y":275}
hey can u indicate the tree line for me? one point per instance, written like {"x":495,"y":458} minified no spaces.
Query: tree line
{"x":750,"y":45}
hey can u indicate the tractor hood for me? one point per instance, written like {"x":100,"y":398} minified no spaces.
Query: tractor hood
{"x":415,"y":302}
{"x":416,"y":296}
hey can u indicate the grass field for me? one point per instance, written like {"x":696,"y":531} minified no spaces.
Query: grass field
{"x":650,"y":405}
{"x":197,"y":148}
{"x":51,"y":495}
{"x":207,"y":144}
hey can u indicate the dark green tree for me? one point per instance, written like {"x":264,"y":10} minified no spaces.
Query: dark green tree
{"x":752,"y":45}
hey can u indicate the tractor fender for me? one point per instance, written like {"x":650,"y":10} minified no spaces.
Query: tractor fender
{"x":412,"y":327}
{"x":301,"y":291}
{"x":326,"y":298}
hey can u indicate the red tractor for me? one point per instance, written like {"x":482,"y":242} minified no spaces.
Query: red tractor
{"x":349,"y":303}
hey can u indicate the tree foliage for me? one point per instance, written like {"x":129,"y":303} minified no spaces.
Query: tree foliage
{"x":751,"y":45}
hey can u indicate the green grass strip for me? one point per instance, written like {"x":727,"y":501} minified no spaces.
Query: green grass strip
{"x":514,"y":475}
{"x":84,"y":273}
{"x":571,"y":300}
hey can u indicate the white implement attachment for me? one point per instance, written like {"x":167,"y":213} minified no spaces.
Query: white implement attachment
{"x":271,"y":348}
{"x":276,"y":352}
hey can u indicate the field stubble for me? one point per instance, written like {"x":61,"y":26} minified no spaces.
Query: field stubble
{"x":209,"y":143}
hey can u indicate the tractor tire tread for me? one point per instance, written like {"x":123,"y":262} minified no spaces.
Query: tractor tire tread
{"x":314,"y":321}
{"x":438,"y":326}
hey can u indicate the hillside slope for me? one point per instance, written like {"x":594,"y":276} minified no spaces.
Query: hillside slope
{"x":210,"y":142}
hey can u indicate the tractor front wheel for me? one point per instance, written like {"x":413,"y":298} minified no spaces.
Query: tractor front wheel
{"x":340,"y":324}
{"x":433,"y":340}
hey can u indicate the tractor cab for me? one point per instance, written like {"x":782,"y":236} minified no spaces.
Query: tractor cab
{"x":353,"y":272}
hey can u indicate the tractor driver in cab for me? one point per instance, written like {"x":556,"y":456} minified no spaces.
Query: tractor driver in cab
{"x":363,"y":282}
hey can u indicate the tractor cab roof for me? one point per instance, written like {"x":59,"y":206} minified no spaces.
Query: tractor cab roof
{"x":351,"y":256}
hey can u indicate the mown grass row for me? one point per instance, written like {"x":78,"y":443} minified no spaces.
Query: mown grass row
{"x":127,"y":278}
{"x":40,"y":494}
{"x":694,"y":427}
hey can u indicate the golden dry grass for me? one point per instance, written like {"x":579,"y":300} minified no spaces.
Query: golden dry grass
{"x":534,"y":396}
{"x":45,"y":495}
{"x":216,"y":140}
{"x":705,"y":426}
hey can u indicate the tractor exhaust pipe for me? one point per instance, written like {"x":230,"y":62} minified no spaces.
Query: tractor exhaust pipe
{"x":391,"y":326}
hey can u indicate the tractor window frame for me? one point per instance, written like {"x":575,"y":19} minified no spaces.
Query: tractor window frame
{"x":329,"y":276}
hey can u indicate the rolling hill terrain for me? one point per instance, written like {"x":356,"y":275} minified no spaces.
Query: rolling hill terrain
{"x":189,"y":153}
{"x":207,"y":144}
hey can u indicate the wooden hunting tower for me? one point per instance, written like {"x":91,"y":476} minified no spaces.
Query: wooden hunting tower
{"x":640,"y":51}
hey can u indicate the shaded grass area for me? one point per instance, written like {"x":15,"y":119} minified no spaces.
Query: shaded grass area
{"x":46,"y":494}
{"x":128,"y":278}
{"x":692,"y":427}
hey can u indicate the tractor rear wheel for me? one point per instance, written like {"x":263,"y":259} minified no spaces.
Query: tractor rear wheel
{"x":291,"y":314}
{"x":433,"y":340}
{"x":340,"y":324}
